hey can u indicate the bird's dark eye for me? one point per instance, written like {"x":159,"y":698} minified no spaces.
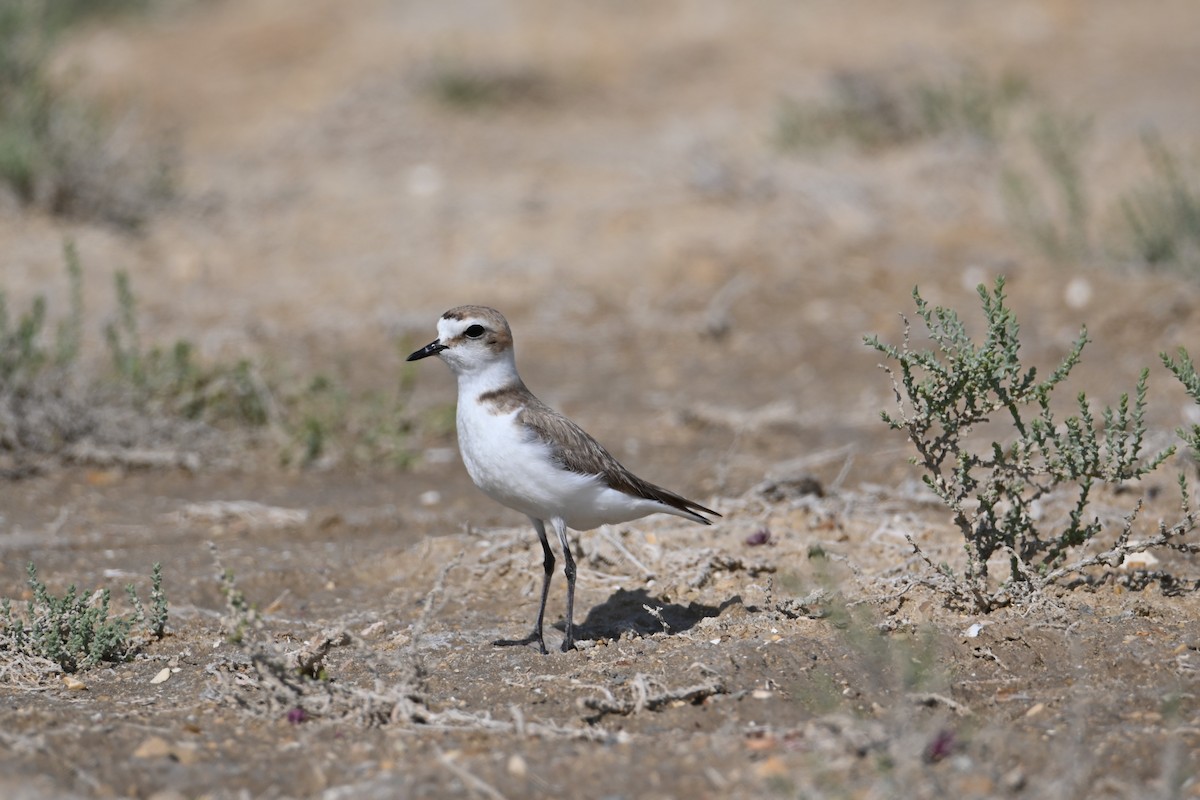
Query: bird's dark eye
{"x":474,"y":332}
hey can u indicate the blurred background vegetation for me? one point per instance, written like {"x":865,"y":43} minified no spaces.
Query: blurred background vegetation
{"x":264,"y":208}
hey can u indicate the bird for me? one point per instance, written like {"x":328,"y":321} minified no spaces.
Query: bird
{"x":529,"y":457}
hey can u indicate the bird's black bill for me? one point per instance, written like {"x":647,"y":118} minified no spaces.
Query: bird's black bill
{"x":431,"y":349}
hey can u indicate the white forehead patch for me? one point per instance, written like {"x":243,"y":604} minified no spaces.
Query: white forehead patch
{"x":450,"y":328}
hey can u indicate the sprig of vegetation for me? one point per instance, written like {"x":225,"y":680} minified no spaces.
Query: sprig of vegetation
{"x":157,"y":618}
{"x":56,"y":153}
{"x":324,"y":419}
{"x":1043,"y":173}
{"x":310,"y":419}
{"x":172,"y":379}
{"x":20,"y":353}
{"x":1157,"y":223}
{"x":241,"y":617}
{"x":1183,"y":369}
{"x":1163,"y":217}
{"x":70,"y":331}
{"x":1050,"y":206}
{"x":23,"y":351}
{"x":873,"y":110}
{"x":994,"y":490}
{"x":972,"y":103}
{"x":466,"y":87}
{"x":75,"y":631}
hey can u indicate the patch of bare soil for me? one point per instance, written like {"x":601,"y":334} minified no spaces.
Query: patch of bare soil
{"x":693,"y":295}
{"x":716,"y":664}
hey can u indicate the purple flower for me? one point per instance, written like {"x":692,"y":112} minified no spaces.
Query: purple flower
{"x":759,"y":537}
{"x":297,"y":715}
{"x":942,"y":745}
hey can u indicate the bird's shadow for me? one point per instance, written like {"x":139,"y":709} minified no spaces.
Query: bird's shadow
{"x":628,"y":610}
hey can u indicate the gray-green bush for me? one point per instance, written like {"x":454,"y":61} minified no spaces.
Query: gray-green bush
{"x":75,"y":631}
{"x":55,"y":152}
{"x":49,"y":398}
{"x":1049,"y":205}
{"x":467,"y":87}
{"x":1182,"y":367}
{"x":995,"y":489}
{"x":1163,"y":215}
{"x":873,"y":110}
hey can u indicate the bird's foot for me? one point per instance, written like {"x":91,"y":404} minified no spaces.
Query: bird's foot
{"x":536,"y":636}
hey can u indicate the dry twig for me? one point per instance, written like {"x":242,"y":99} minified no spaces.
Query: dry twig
{"x":649,"y":696}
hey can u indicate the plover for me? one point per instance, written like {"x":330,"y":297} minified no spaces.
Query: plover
{"x":529,"y":457}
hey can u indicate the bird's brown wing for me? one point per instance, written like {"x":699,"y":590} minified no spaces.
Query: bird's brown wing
{"x":576,"y":450}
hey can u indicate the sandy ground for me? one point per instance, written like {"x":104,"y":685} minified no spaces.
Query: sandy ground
{"x":692,"y":294}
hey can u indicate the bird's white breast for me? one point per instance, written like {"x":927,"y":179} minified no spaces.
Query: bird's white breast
{"x":505,"y":462}
{"x":517,"y":469}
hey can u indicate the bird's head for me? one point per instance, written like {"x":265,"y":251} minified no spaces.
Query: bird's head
{"x":470,"y":339}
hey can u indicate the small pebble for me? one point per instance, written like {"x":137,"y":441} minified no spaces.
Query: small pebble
{"x":1141,"y":560}
{"x":154,"y":747}
{"x":1078,"y":293}
{"x":373,"y":629}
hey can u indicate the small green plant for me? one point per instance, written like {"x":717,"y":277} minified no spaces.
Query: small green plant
{"x":1184,"y":369}
{"x":124,"y":342}
{"x":310,"y":420}
{"x":1163,"y":217}
{"x":862,"y":109}
{"x":23,"y":352}
{"x":70,"y":330}
{"x":1155,"y":224}
{"x":56,"y":153}
{"x":972,"y":103}
{"x":75,"y":631}
{"x":471,"y":88}
{"x":240,"y":616}
{"x":1052,"y":210}
{"x":873,"y":110}
{"x":324,"y":419}
{"x":171,"y":378}
{"x":994,"y":489}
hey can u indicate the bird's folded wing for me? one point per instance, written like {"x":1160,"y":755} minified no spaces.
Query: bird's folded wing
{"x":576,"y":450}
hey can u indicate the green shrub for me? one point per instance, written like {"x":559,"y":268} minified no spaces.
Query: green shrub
{"x":873,"y":110}
{"x":994,"y":489}
{"x":23,"y":350}
{"x":1163,"y":216}
{"x":466,"y":87}
{"x":46,"y":403}
{"x":1182,"y":368}
{"x":55,"y":152}
{"x":75,"y":630}
{"x":172,"y":381}
{"x":1050,"y":205}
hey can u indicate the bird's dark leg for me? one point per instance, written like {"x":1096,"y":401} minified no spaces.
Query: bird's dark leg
{"x":560,"y":527}
{"x":548,"y":565}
